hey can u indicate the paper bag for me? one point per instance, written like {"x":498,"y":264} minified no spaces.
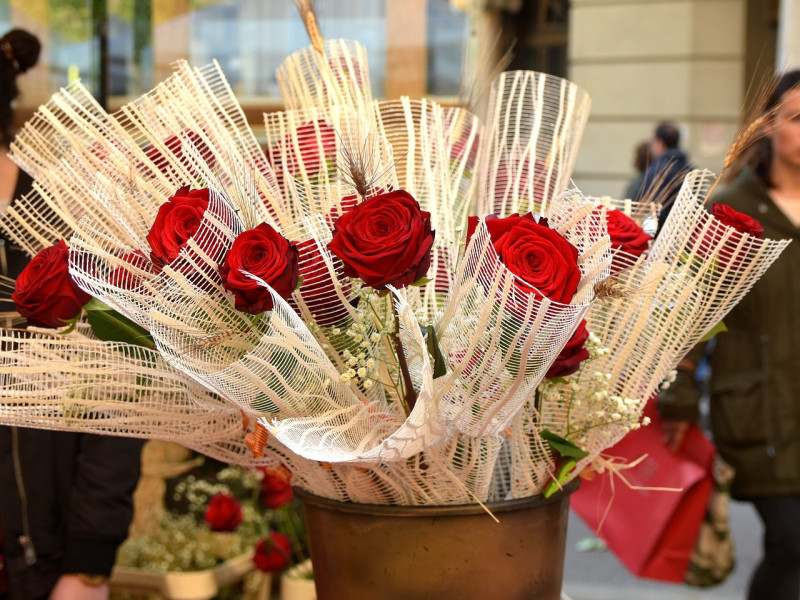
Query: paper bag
{"x":652,"y":532}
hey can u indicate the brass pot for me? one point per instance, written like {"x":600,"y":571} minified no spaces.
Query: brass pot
{"x":373,"y":552}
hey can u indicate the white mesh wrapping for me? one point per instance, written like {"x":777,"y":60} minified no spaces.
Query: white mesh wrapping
{"x":535,"y":122}
{"x":319,"y":371}
{"x":103,"y":387}
{"x":338,"y":76}
{"x":311,"y":151}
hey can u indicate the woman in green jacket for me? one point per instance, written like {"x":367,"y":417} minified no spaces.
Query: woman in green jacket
{"x":755,"y":380}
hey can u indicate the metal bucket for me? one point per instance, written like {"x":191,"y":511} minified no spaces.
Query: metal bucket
{"x":372,"y":552}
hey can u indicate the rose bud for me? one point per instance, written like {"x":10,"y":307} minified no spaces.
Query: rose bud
{"x":223,"y":513}
{"x":275,"y":489}
{"x":545,"y":263}
{"x":726,"y":217}
{"x":739,"y":221}
{"x":273,"y":553}
{"x":571,"y":355}
{"x":269,"y":256}
{"x":44,"y":293}
{"x":626,"y":235}
{"x":384,"y":240}
{"x":175,"y":145}
{"x":177,"y":221}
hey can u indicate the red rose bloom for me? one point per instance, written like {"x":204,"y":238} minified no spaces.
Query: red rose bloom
{"x":275,"y":488}
{"x":544,"y":262}
{"x":269,"y":256}
{"x":223,"y":513}
{"x":311,"y":149}
{"x":127,"y":279}
{"x":739,"y":221}
{"x":317,"y":290}
{"x":521,"y":179}
{"x":625,"y":234}
{"x":346,"y":204}
{"x":725,"y":217}
{"x":344,"y":72}
{"x":571,"y":356}
{"x":177,"y":220}
{"x":385,"y":240}
{"x":273,"y":553}
{"x":174,"y":144}
{"x":44,"y":293}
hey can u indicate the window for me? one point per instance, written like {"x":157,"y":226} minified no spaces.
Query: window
{"x":414,"y":46}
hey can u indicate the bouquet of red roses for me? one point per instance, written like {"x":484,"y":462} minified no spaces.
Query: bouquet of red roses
{"x":400,"y":303}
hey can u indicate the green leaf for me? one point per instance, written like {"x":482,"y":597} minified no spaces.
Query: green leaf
{"x":421,"y":281}
{"x":564,"y":469}
{"x":439,"y":362}
{"x":110,"y":326}
{"x":718,"y":328}
{"x":562,"y":446}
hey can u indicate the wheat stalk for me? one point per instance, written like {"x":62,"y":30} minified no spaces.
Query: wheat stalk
{"x":309,"y":16}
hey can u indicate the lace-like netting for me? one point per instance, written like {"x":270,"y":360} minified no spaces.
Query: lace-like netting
{"x":475,"y":431}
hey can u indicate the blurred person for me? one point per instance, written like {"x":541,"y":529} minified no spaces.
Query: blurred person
{"x":19,"y":51}
{"x":641,"y":160}
{"x":65,"y":497}
{"x":669,"y":165}
{"x":754,"y":387}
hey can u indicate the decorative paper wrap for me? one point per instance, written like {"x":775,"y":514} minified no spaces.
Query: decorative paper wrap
{"x":475,"y":431}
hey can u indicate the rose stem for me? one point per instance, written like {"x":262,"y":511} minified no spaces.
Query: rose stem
{"x":409,"y":396}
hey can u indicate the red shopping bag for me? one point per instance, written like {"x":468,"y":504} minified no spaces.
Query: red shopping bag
{"x":652,"y":532}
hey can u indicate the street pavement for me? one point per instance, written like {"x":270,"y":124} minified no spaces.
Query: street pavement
{"x":598,"y":575}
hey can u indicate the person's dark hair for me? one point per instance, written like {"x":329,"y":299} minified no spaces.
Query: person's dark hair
{"x":641,"y":156}
{"x":762,"y":155}
{"x":19,"y":51}
{"x":669,"y":134}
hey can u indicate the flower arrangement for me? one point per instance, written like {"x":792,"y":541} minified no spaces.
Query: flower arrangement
{"x":236,"y":512}
{"x":403,"y":304}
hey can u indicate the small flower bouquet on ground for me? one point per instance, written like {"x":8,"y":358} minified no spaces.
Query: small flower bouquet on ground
{"x":222,"y":514}
{"x":213,"y":518}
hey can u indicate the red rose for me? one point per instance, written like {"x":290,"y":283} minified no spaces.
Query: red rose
{"x":312,"y":145}
{"x":625,"y":234}
{"x":174,"y":144}
{"x":514,"y":180}
{"x":385,"y":240}
{"x":473,"y":365}
{"x":571,"y":356}
{"x":724,"y":217}
{"x":345,"y":72}
{"x":275,"y":488}
{"x":739,"y":221}
{"x":127,"y":278}
{"x":45,"y":293}
{"x":346,"y":204}
{"x":177,"y":220}
{"x":269,"y":256}
{"x":544,"y":262}
{"x":273,"y":553}
{"x":463,"y":148}
{"x":318,"y":288}
{"x":223,"y":513}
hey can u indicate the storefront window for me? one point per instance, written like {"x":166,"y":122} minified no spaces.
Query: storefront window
{"x":414,"y":46}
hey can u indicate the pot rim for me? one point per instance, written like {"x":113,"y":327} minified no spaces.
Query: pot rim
{"x":423,"y":511}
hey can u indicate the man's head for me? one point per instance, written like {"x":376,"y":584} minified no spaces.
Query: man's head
{"x":665,"y":137}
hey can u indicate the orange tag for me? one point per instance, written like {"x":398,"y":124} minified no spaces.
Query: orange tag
{"x":256,"y":440}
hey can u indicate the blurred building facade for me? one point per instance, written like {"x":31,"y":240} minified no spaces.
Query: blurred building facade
{"x":642,"y":61}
